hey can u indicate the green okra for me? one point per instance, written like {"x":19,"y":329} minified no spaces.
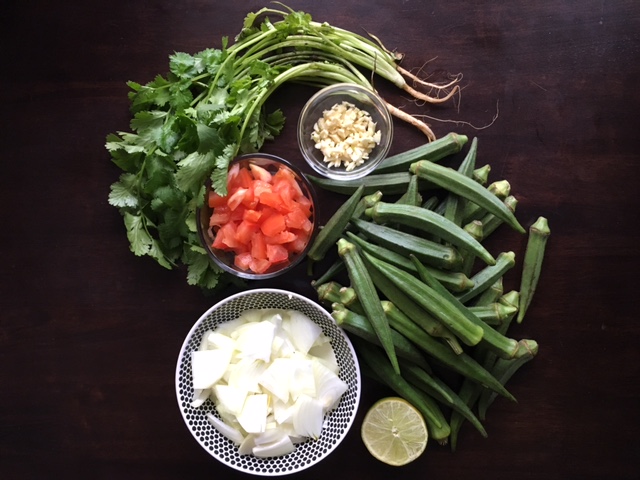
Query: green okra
{"x":481,"y":175}
{"x":491,"y":294}
{"x":432,"y":151}
{"x":378,"y":367}
{"x":365,"y":202}
{"x":501,"y":345}
{"x":475,"y":230}
{"x":473,"y":211}
{"x":503,"y":370}
{"x":431,"y":203}
{"x":368,"y":295}
{"x":493,"y":314}
{"x":387,"y":183}
{"x":412,"y":196}
{"x":454,"y":281}
{"x":488,"y":275}
{"x":361,"y":326}
{"x":490,"y":222}
{"x":461,"y":363}
{"x":454,"y":204}
{"x":432,"y":301}
{"x":413,"y":310}
{"x":432,"y":253}
{"x":532,"y":266}
{"x":455,"y":182}
{"x":439,"y":390}
{"x":332,"y":230}
{"x":334,"y":269}
{"x":429,"y":222}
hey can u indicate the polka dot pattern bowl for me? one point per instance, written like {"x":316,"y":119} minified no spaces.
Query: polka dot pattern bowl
{"x":337,"y":422}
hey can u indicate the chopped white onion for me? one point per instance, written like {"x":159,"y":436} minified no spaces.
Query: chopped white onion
{"x":272,"y":375}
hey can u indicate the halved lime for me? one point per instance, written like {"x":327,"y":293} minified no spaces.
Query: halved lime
{"x":394,"y":431}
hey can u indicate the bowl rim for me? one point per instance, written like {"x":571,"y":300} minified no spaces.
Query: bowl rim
{"x":231,"y":298}
{"x":369,"y":166}
{"x":202,"y":236}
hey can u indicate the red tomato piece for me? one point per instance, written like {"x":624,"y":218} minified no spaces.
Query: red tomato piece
{"x":243,"y":260}
{"x":275,"y":201}
{"x":216,"y":200}
{"x":277,"y":254}
{"x":273,"y":225}
{"x":252,"y":215}
{"x":258,"y":245}
{"x":281,"y":238}
{"x":245,"y":231}
{"x":297,"y":218}
{"x":300,"y":243}
{"x":260,"y":265}
{"x":237,"y":197}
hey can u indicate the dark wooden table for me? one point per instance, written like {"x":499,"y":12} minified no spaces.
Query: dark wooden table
{"x":89,"y":333}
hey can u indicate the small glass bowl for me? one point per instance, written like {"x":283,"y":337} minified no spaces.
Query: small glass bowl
{"x":225,"y":259}
{"x":325,"y":99}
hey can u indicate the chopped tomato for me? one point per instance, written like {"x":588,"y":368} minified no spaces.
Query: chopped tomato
{"x":264,"y":218}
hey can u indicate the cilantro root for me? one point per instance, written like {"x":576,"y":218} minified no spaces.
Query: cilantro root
{"x":190,"y":123}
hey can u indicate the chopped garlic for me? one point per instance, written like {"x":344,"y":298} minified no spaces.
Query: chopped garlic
{"x":345,"y":135}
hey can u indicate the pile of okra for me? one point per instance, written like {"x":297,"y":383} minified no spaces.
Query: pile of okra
{"x":421,"y":294}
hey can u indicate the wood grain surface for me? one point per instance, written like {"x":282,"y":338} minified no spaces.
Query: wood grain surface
{"x":90,"y":334}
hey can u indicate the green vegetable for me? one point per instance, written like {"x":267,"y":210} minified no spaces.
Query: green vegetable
{"x":430,"y":222}
{"x":488,"y":275}
{"x":430,"y":252}
{"x":436,"y":422}
{"x":434,"y":387}
{"x":332,"y":230}
{"x":454,"y":281}
{"x":368,"y":295}
{"x":387,"y":183}
{"x":467,"y":188}
{"x":432,"y":301}
{"x":538,"y":235}
{"x":454,"y":204}
{"x":461,"y":363}
{"x":432,"y":151}
{"x":361,"y":326}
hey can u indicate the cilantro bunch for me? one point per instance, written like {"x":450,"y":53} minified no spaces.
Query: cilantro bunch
{"x":190,"y":123}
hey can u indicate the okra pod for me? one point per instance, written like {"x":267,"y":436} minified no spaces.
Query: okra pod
{"x":387,"y":183}
{"x":491,"y":294}
{"x":454,"y":281}
{"x":534,"y":254}
{"x":361,"y":326}
{"x":430,"y":300}
{"x":431,"y":203}
{"x":475,"y":230}
{"x":368,"y":295}
{"x":429,"y":222}
{"x":413,"y":310}
{"x":432,"y":151}
{"x":461,"y":363}
{"x":493,"y":314}
{"x":488,"y":275}
{"x":503,"y":346}
{"x":373,"y":357}
{"x":454,"y":204}
{"x":332,"y":230}
{"x":481,"y":175}
{"x":503,"y":370}
{"x":473,"y":211}
{"x":490,"y":222}
{"x":434,"y":387}
{"x":365,"y":202}
{"x":412,"y":195}
{"x":432,"y":253}
{"x":334,"y":269}
{"x":455,"y":182}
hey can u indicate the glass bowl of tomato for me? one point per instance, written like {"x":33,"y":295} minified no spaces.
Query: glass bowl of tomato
{"x":264,"y":224}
